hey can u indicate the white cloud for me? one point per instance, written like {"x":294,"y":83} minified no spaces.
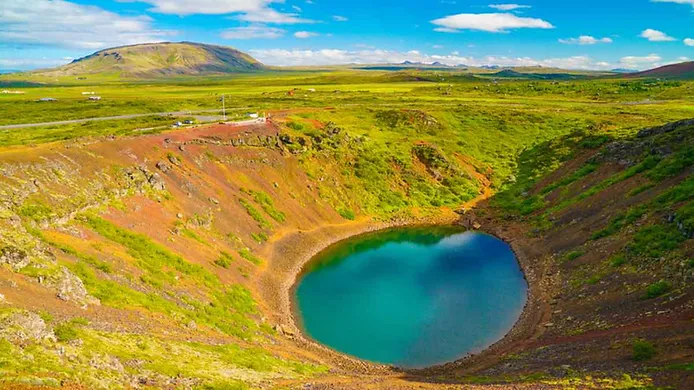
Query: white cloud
{"x":339,"y":18}
{"x":248,"y":10}
{"x":635,"y":62}
{"x":585,"y":40}
{"x":284,"y":57}
{"x":252,"y":32}
{"x":683,"y":59}
{"x":305,"y":34}
{"x":655,"y":36}
{"x":675,"y":1}
{"x":271,"y":16}
{"x":498,"y":22}
{"x":61,"y":23}
{"x":204,"y":7}
{"x":689,"y":41}
{"x":23,"y":63}
{"x":508,"y":7}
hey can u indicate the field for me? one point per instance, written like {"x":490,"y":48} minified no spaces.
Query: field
{"x":180,"y":228}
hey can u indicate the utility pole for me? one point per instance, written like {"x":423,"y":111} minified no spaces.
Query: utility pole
{"x":224,"y":109}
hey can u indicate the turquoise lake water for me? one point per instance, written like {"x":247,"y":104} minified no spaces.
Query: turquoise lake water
{"x":412,"y":297}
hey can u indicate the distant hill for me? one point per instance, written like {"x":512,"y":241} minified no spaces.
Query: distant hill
{"x":683,"y":70}
{"x":160,"y":59}
{"x":509,"y":73}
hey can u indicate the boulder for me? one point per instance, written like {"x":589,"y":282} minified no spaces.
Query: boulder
{"x":156,"y":182}
{"x":71,"y":289}
{"x":23,"y":327}
{"x":163,"y":166}
{"x":14,"y":257}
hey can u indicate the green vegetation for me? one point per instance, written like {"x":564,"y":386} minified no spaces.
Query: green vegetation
{"x":67,"y":331}
{"x":373,"y":144}
{"x":248,"y":255}
{"x":654,"y":241}
{"x":151,"y":257}
{"x":224,"y":260}
{"x":53,"y":133}
{"x":259,"y":237}
{"x":255,"y":214}
{"x":573,"y":255}
{"x":267,"y":205}
{"x":346,"y":214}
{"x":213,"y":366}
{"x":642,"y":350}
{"x":657,"y":289}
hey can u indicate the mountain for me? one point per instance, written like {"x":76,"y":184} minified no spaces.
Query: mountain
{"x":623,"y":70}
{"x":160,"y":59}
{"x":683,"y":70}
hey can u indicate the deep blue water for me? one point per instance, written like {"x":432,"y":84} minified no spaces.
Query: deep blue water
{"x":412,"y":297}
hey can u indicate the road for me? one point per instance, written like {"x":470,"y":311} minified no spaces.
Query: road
{"x":201,"y":118}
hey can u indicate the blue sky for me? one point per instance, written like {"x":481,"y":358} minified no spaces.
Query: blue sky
{"x":591,"y":34}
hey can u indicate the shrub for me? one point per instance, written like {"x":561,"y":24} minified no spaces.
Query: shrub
{"x":657,"y":289}
{"x":617,"y":261}
{"x":224,"y":260}
{"x":259,"y":237}
{"x":573,"y":255}
{"x":346,"y":213}
{"x":642,"y":350}
{"x":67,"y":331}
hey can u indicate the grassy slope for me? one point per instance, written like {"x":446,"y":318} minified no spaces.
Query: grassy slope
{"x":149,"y":60}
{"x":417,"y":138}
{"x":615,"y":215}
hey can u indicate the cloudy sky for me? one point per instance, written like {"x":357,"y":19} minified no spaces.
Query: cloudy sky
{"x":589,"y":34}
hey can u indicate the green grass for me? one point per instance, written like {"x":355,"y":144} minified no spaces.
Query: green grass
{"x":246,"y":253}
{"x":68,"y":331}
{"x":37,"y":212}
{"x":391,"y":145}
{"x":582,"y":172}
{"x":118,"y":127}
{"x":621,"y":220}
{"x":152,"y":257}
{"x":654,"y":241}
{"x":255,"y":214}
{"x":266,"y":203}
